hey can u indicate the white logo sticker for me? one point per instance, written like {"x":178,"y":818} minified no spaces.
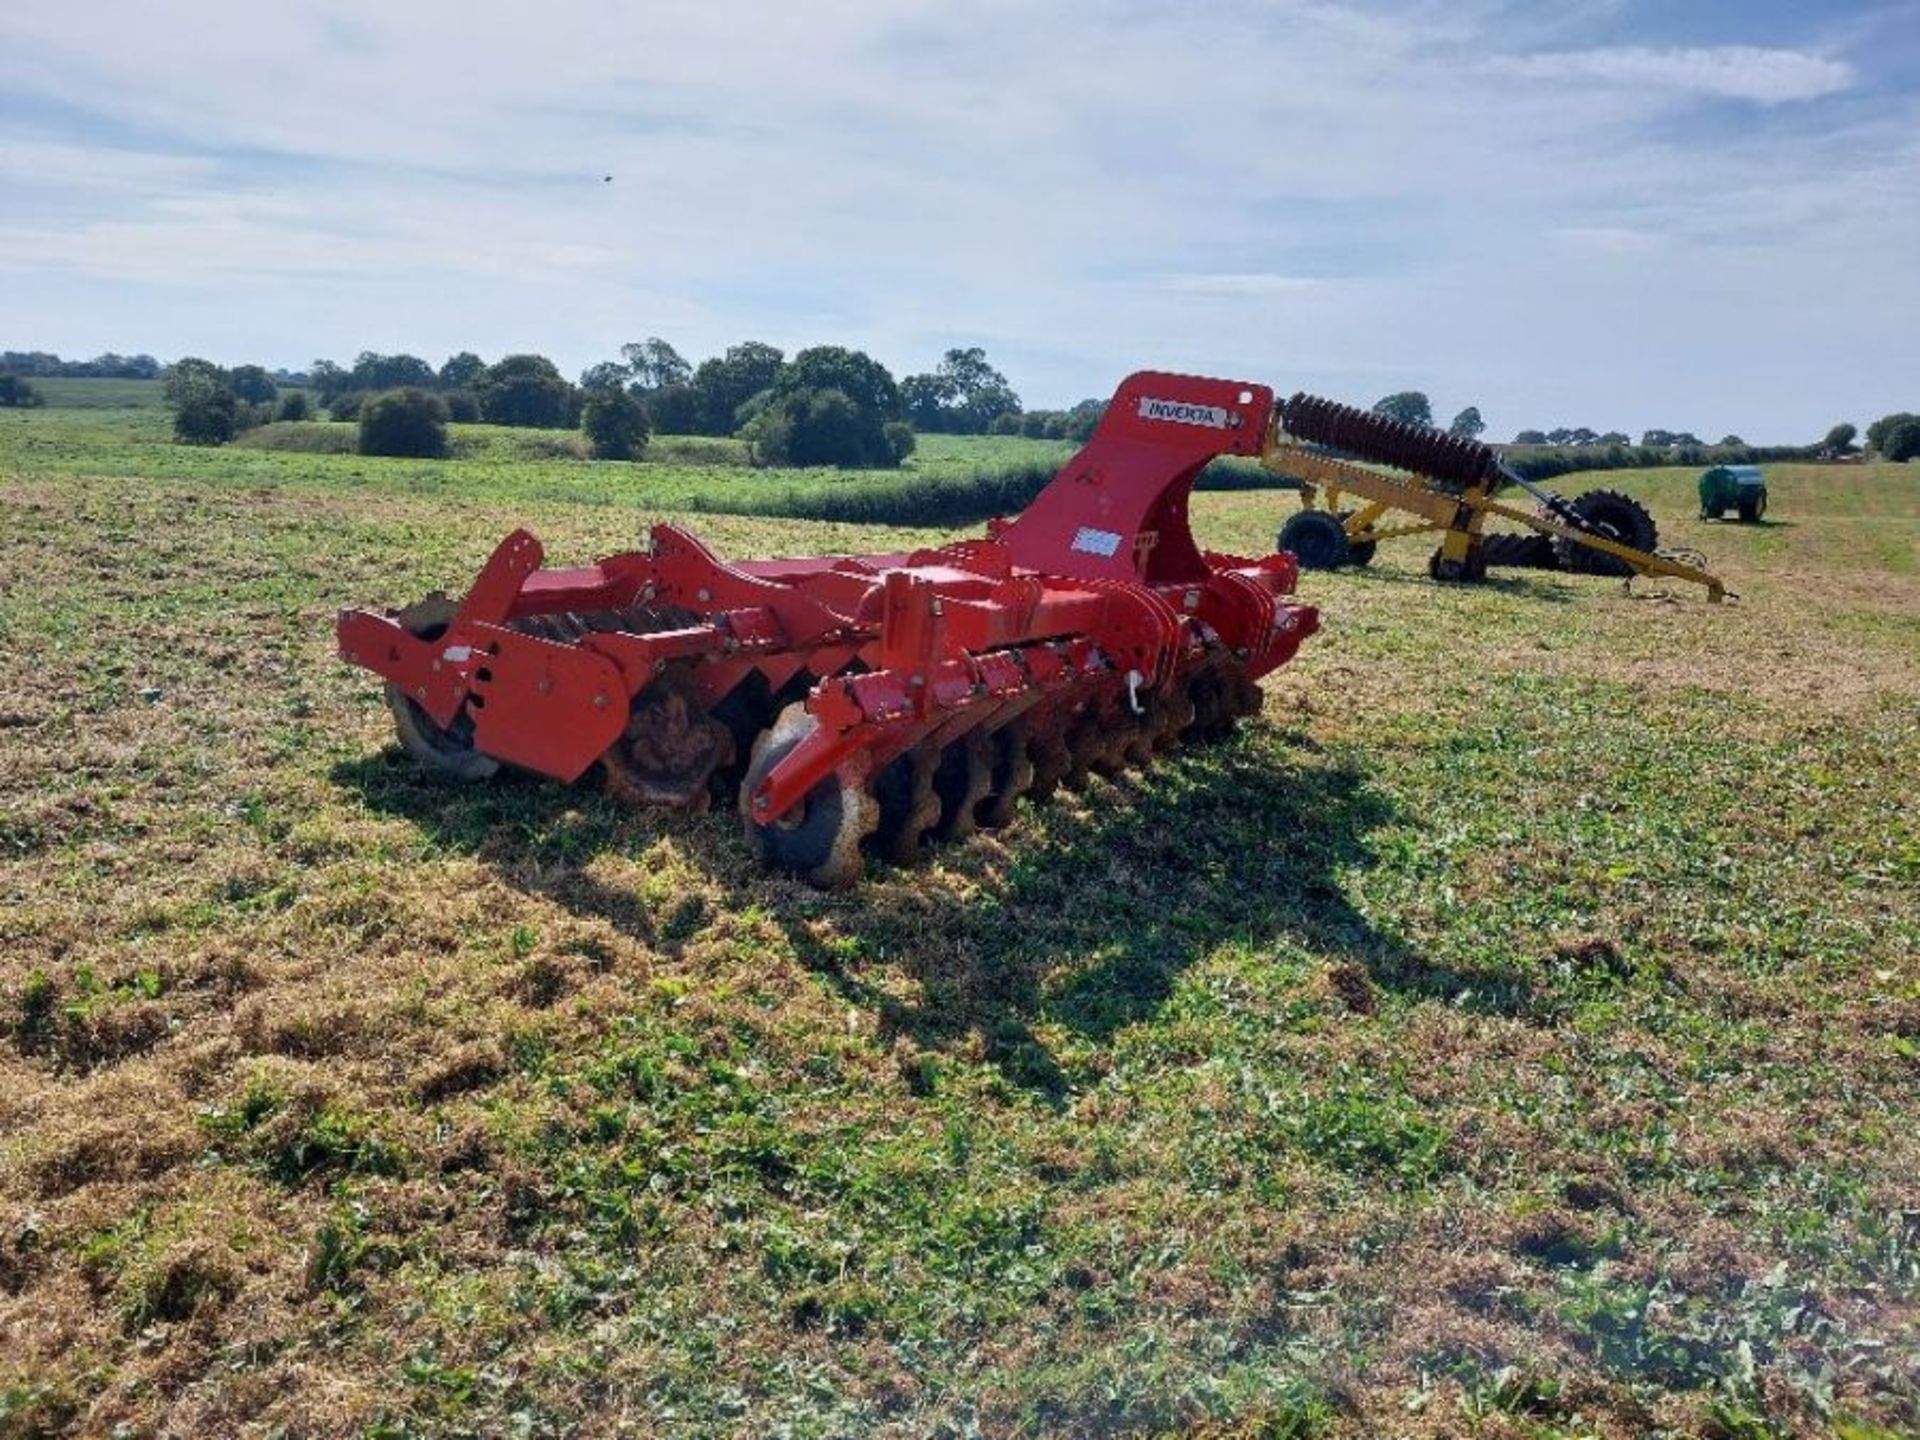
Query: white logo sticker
{"x":1096,"y":542}
{"x":1181,"y":413}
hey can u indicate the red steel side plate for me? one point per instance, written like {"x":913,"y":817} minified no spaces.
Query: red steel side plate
{"x":546,"y":707}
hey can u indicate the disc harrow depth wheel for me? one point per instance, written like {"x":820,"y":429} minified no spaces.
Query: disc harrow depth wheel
{"x":447,"y":750}
{"x":819,"y":839}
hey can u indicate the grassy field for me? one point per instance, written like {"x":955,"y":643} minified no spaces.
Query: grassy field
{"x":84,"y":393}
{"x":1514,"y":1033}
{"x":491,"y":465}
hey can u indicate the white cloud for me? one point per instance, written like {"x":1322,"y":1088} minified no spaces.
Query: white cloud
{"x":28,"y":162}
{"x":1243,"y":285}
{"x":1612,"y":240}
{"x":1726,"y":72}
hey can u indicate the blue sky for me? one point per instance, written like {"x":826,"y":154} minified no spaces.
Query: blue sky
{"x":1610,"y":213}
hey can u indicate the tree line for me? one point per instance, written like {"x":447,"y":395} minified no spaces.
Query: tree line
{"x":825,"y":405}
{"x":41,"y":365}
{"x":1890,"y":438}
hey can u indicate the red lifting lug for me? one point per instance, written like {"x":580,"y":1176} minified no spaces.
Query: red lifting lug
{"x":910,"y":621}
{"x":490,"y":601}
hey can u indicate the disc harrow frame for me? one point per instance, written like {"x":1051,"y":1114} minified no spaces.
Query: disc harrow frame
{"x":878,"y":701}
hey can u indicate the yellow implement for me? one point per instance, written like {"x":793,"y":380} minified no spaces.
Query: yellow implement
{"x":1601,"y":533}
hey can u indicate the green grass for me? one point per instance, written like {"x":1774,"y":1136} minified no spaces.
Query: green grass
{"x":1516,"y":1032}
{"x":89,"y":394}
{"x":490,"y":463}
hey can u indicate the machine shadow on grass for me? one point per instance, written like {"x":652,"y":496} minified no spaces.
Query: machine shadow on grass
{"x":1082,"y":916}
{"x":1520,"y":585}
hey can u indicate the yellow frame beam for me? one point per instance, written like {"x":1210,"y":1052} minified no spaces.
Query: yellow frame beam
{"x":1459,"y":516}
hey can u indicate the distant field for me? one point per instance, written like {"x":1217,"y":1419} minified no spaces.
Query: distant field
{"x":491,"y":462}
{"x":1515,"y":1033}
{"x":100,"y":394}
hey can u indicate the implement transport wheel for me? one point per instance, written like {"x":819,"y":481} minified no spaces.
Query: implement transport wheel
{"x":670,"y":750}
{"x":1612,"y":516}
{"x":1470,"y":571}
{"x":1360,"y":552}
{"x":1518,"y":552}
{"x":1011,"y":772}
{"x":819,"y":839}
{"x":1317,"y":539}
{"x":448,"y":750}
{"x":1752,"y":510}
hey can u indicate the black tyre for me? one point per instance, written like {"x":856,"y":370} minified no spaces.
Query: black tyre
{"x":1360,"y":552}
{"x":1612,"y":516}
{"x":1470,"y":571}
{"x":1752,"y":510}
{"x":445,"y":749}
{"x":1518,"y":552}
{"x":1317,"y":539}
{"x":819,"y":839}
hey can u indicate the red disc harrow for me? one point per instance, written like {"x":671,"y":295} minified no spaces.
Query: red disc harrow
{"x":869,"y":704}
